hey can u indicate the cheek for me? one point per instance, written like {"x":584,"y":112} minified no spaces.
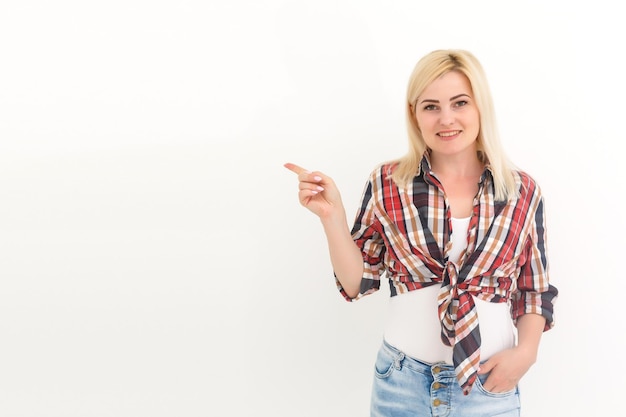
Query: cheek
{"x":475,"y":117}
{"x":422,"y":122}
{"x":417,"y":123}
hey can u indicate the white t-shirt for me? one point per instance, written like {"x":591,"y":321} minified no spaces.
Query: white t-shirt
{"x":413,"y":327}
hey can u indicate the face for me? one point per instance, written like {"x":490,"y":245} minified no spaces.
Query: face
{"x":448,"y":117}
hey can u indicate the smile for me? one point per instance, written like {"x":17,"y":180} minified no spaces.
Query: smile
{"x":449,"y":134}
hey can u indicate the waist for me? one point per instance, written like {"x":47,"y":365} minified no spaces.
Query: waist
{"x":412,"y":325}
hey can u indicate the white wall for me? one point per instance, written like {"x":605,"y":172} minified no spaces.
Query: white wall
{"x":154,"y":258}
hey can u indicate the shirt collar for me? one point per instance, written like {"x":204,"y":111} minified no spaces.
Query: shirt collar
{"x":425,"y":166}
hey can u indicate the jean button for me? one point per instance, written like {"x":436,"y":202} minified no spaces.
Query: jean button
{"x":437,"y":402}
{"x":436,"y":385}
{"x":436,"y":370}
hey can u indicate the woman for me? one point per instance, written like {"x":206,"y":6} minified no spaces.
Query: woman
{"x":460,"y":235}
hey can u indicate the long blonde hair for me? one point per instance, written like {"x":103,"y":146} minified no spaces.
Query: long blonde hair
{"x":490,"y":151}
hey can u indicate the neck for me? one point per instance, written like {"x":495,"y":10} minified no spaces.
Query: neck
{"x":457,"y":166}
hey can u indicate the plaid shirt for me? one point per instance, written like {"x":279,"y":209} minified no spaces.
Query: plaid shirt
{"x":405,"y":233}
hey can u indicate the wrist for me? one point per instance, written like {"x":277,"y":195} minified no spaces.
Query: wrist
{"x":528,"y":352}
{"x":332,"y":220}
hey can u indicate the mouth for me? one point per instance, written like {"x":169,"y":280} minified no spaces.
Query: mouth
{"x":449,"y":133}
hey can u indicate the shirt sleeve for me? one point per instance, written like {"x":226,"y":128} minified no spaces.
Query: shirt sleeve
{"x":367,"y":234}
{"x":534,"y":292}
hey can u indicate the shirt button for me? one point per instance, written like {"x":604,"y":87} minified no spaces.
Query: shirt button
{"x":437,"y":402}
{"x":436,"y":385}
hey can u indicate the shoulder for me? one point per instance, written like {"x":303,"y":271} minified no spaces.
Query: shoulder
{"x":526,"y":184}
{"x":383,"y":171}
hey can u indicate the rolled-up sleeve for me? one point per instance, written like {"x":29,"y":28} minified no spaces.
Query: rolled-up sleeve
{"x":534,"y":292}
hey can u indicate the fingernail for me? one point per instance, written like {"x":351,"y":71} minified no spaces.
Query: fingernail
{"x":320,"y":188}
{"x":317,"y":178}
{"x":313,"y":192}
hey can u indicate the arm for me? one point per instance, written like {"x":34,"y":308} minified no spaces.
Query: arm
{"x":530,"y":327}
{"x":345,"y":256}
{"x":509,"y":366}
{"x":318,"y":193}
{"x":532,"y":310}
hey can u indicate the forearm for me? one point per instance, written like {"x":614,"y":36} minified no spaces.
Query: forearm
{"x":530,"y":327}
{"x":345,"y":256}
{"x":507,"y":367}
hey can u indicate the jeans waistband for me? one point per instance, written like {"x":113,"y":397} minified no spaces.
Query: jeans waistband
{"x":438,"y":369}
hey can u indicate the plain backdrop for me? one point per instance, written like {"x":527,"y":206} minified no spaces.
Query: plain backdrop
{"x":154,"y":258}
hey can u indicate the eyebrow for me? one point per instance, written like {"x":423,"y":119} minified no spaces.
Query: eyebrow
{"x":428,"y":100}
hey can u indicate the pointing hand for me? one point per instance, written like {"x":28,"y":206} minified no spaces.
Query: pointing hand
{"x":317,"y":192}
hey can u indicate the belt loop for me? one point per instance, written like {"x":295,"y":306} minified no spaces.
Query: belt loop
{"x":397,"y":362}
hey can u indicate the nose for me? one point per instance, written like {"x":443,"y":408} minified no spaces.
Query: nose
{"x":446,"y":117}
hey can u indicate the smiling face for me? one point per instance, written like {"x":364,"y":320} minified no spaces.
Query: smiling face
{"x":447,"y":116}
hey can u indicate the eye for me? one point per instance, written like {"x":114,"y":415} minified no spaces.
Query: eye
{"x":461,"y":103}
{"x":430,"y":107}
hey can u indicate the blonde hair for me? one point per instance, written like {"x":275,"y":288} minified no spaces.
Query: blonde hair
{"x":490,"y":151}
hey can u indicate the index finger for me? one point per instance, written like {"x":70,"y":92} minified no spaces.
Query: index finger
{"x":295,"y":168}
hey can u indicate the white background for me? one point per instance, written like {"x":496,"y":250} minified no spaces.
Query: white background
{"x":154,"y":259}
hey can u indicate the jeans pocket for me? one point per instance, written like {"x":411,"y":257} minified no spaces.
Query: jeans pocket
{"x":384,"y":365}
{"x":479,"y":385}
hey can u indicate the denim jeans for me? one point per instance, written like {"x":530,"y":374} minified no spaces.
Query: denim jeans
{"x":406,"y":387}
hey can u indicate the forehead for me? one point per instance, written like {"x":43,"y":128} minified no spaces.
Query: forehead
{"x":448,"y":85}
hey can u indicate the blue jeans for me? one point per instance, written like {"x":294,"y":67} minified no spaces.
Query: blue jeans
{"x":406,"y":387}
